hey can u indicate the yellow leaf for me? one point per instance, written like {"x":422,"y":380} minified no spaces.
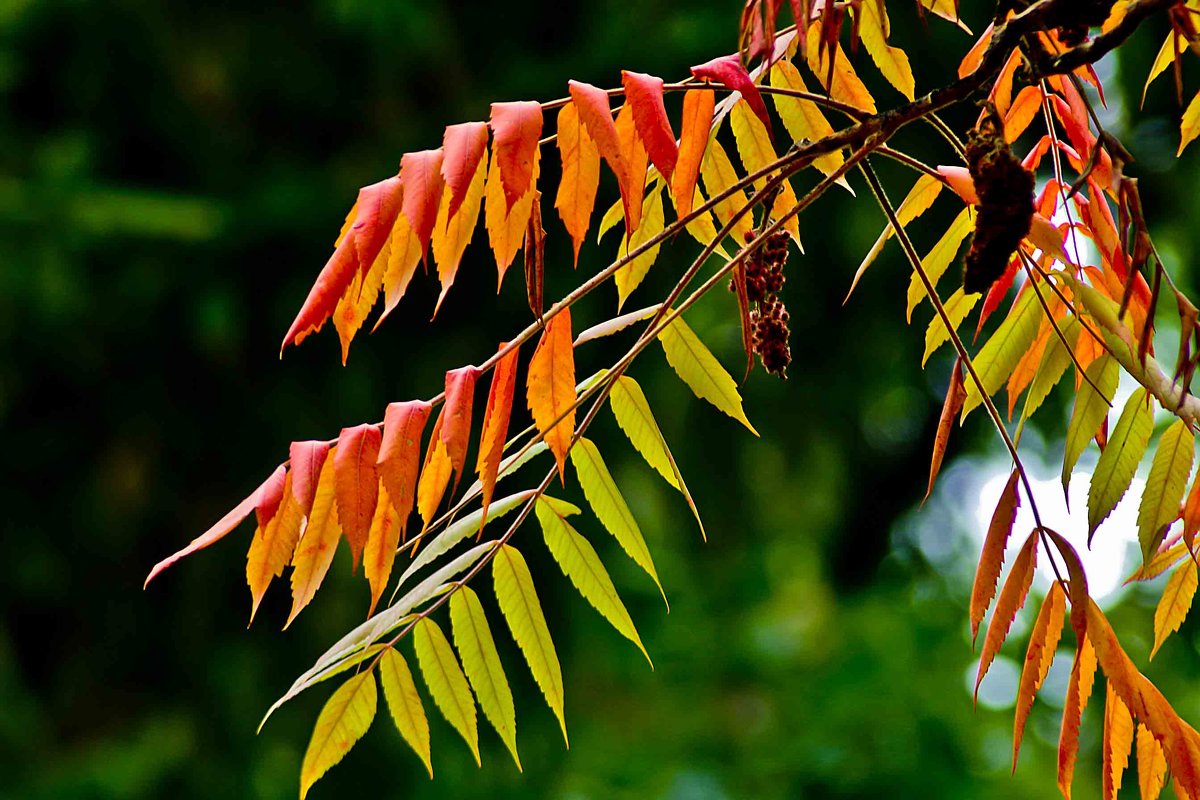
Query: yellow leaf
{"x":1166,"y":55}
{"x":916,"y":202}
{"x":351,"y":311}
{"x":701,"y":371}
{"x":940,"y":257}
{"x":435,"y":475}
{"x":1165,"y":484}
{"x":719,"y":175}
{"x":404,"y":253}
{"x":630,"y":276}
{"x":1118,"y":739}
{"x":846,"y":86}
{"x":1119,"y":460}
{"x":1162,"y":561}
{"x":1175,"y":603}
{"x":1090,"y":410}
{"x":550,"y":387}
{"x":523,"y":612}
{"x":633,"y":415}
{"x":382,"y":541}
{"x":702,"y":228}
{"x":803,"y":118}
{"x":1152,"y":764}
{"x":996,"y":359}
{"x":609,"y":506}
{"x":873,"y":29}
{"x":958,"y":306}
{"x":318,"y":542}
{"x":481,"y":662}
{"x":451,"y":236}
{"x":273,"y":546}
{"x":506,"y":226}
{"x":580,"y":175}
{"x":342,"y":722}
{"x":756,"y":151}
{"x":1189,"y":126}
{"x":408,"y":712}
{"x":947,"y":10}
{"x":447,"y":684}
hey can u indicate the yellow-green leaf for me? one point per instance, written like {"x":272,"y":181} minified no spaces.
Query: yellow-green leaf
{"x":997,"y":359}
{"x":1119,"y":461}
{"x":1189,"y":126}
{"x":447,"y":684}
{"x":481,"y":662}
{"x":873,"y":29}
{"x":342,"y":722}
{"x":957,"y":307}
{"x":523,"y":612}
{"x":629,"y":276}
{"x":1166,"y":55}
{"x":939,"y":257}
{"x":1165,"y":485}
{"x":610,"y":507}
{"x":916,"y":202}
{"x":1090,"y":410}
{"x":701,"y":371}
{"x":1053,"y":365}
{"x":580,"y":563}
{"x":633,"y":415}
{"x":1162,"y":561}
{"x":408,"y":712}
{"x":1175,"y":602}
{"x":803,"y":118}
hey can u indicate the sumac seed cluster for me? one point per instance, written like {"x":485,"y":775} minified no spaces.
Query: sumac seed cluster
{"x":768,"y":317}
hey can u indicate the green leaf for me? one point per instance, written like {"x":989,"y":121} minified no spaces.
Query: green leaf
{"x":997,"y":359}
{"x":701,"y":371}
{"x":446,"y":682}
{"x":630,"y":276}
{"x":481,"y":662}
{"x":342,"y":722}
{"x":1119,"y":461}
{"x":580,"y":563}
{"x":610,"y":507}
{"x":408,"y":712}
{"x":1165,"y":486}
{"x":523,"y":612}
{"x":939,"y":258}
{"x":1090,"y":410}
{"x":1053,"y":365}
{"x":633,"y":415}
{"x":957,"y":307}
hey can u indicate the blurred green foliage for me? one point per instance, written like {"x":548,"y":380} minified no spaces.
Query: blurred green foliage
{"x":171,"y":179}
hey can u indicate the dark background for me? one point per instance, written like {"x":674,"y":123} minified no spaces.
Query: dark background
{"x":171,"y":179}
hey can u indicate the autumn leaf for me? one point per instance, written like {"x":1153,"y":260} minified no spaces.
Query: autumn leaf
{"x":306,"y":460}
{"x":756,"y":152}
{"x":991,"y":559}
{"x":1091,"y":408}
{"x":495,"y":424}
{"x":380,"y":552}
{"x":630,"y":276}
{"x":421,"y":175}
{"x":516,"y":128}
{"x":266,"y":495}
{"x":506,"y":225}
{"x":700,"y":370}
{"x":354,"y":306}
{"x":1052,"y":366}
{"x":446,"y":682}
{"x":1038,"y":657}
{"x":400,"y":454}
{"x":803,"y":118}
{"x":996,"y":360}
{"x":1119,"y":461}
{"x":636,"y":161}
{"x":1189,"y":126}
{"x":550,"y":387}
{"x":873,"y":30}
{"x":342,"y":722}
{"x":1079,"y":689}
{"x":580,"y":174}
{"x":955,"y":394}
{"x":918,"y":200}
{"x":435,"y":474}
{"x":1165,"y":485}
{"x":318,"y":542}
{"x":940,"y":257}
{"x":1175,"y":603}
{"x":481,"y":663}
{"x":693,"y":140}
{"x":454,"y":227}
{"x":845,"y":85}
{"x":408,"y":712}
{"x":1152,"y":764}
{"x":1116,"y":744}
{"x":356,"y":484}
{"x":729,"y":72}
{"x":273,"y":545}
{"x":464,"y":148}
{"x":404,"y":254}
{"x":644,"y":93}
{"x":378,"y":207}
{"x":1012,"y":598}
{"x":456,"y":428}
{"x":957,"y":307}
{"x":595,"y":114}
{"x":719,"y":175}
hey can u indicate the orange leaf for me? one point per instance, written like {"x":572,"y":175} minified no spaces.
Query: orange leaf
{"x":1083,"y":673}
{"x":435,"y":474}
{"x":693,"y":139}
{"x":464,"y":146}
{"x":378,"y":205}
{"x":1117,"y":742}
{"x":974,"y":56}
{"x":1022,"y":112}
{"x":266,"y":496}
{"x":992,"y":558}
{"x":636,"y":160}
{"x":1012,"y":598}
{"x":1038,"y":657}
{"x":580,"y":175}
{"x":453,"y":231}
{"x":1027,"y":366}
{"x":421,"y":174}
{"x":506,"y":227}
{"x":318,"y":542}
{"x":356,"y":483}
{"x":1152,"y":764}
{"x":335,"y":277}
{"x":352,"y":309}
{"x":1191,"y":514}
{"x":456,"y":432}
{"x":273,"y":546}
{"x":306,"y":460}
{"x":516,"y":128}
{"x":645,"y":94}
{"x":404,"y":253}
{"x":551,"y":387}
{"x":591,"y":104}
{"x":729,"y":72}
{"x":956,"y":393}
{"x":400,"y":454}
{"x":380,"y":552}
{"x":495,"y":425}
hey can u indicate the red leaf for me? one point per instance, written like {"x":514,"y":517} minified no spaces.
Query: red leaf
{"x":495,"y":425}
{"x":422,"y":176}
{"x":322,"y":299}
{"x":400,"y":454}
{"x":306,"y":458}
{"x":516,"y":127}
{"x":596,"y":115}
{"x":456,"y":429}
{"x":463,"y":146}
{"x":378,"y":205}
{"x":266,"y":495}
{"x":693,"y":141}
{"x":1012,"y":598}
{"x":956,"y":393}
{"x":992,"y":557}
{"x":1038,"y":657}
{"x":645,"y":94}
{"x":272,"y":495}
{"x":729,"y":72}
{"x":356,"y":484}
{"x":998,"y":291}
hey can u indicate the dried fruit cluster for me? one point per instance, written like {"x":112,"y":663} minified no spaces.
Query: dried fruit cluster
{"x":1005,"y":209}
{"x":769,"y":317}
